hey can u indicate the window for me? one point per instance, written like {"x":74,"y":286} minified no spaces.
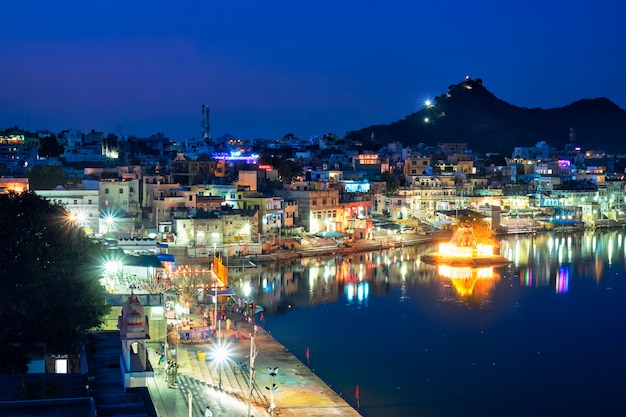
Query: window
{"x":106,"y":191}
{"x":323,"y":201}
{"x":131,"y":190}
{"x":314,"y":202}
{"x":121,"y":191}
{"x":75,"y":201}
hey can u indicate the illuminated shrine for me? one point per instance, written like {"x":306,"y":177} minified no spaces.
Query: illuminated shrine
{"x":463,"y":249}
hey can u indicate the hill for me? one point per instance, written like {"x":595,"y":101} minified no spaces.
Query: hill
{"x":469,"y":113}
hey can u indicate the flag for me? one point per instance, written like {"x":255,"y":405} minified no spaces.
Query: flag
{"x":219,"y":269}
{"x":308,"y":354}
{"x":262,"y":316}
{"x":357,"y":392}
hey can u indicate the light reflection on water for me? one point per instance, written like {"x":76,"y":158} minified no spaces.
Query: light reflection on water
{"x":543,"y":336}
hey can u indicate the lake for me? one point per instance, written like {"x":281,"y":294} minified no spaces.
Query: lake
{"x":543,"y":336}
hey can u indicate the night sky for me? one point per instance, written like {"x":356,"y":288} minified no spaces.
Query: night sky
{"x":267,"y":68}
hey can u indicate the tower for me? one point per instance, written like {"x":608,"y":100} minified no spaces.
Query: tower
{"x":206,"y":125}
{"x":134,"y":333}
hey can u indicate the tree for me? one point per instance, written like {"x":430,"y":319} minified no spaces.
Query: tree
{"x":49,"y":147}
{"x":50,"y":295}
{"x":393,"y":182}
{"x":496,"y":160}
{"x":287,"y":168}
{"x":45,"y":177}
{"x":482,"y":230}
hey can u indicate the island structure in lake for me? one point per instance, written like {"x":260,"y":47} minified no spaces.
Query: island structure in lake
{"x":463,"y":249}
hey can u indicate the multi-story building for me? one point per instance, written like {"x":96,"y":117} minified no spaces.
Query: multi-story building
{"x":370,"y":163}
{"x":290,"y":216}
{"x":79,"y":147}
{"x":416,"y":166}
{"x":15,"y":153}
{"x":154,"y":185}
{"x":120,"y":198}
{"x":216,"y":229}
{"x":318,"y":209}
{"x":269,"y":209}
{"x":173,"y":203}
{"x":189,"y":172}
{"x":248,"y":179}
{"x":228,"y":192}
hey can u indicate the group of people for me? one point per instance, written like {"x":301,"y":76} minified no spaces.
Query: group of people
{"x":171,"y":368}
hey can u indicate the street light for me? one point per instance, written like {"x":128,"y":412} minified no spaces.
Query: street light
{"x":109,"y":221}
{"x":220,"y":354}
{"x":273,"y":372}
{"x":179,"y":312}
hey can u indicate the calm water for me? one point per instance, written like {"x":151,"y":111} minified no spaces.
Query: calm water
{"x":545,"y":336}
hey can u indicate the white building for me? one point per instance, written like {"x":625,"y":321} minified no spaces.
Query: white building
{"x":83,"y":205}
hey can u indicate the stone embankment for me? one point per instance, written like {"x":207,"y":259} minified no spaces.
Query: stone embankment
{"x":309,"y":250}
{"x":225,"y":387}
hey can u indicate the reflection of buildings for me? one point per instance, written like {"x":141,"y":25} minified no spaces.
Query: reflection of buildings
{"x":279,"y":285}
{"x":471,"y":284}
{"x":549,"y":259}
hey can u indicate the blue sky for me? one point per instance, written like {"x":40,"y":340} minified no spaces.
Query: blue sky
{"x":275,"y":67}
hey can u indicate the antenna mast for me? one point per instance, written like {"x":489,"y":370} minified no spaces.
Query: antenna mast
{"x":206,"y":125}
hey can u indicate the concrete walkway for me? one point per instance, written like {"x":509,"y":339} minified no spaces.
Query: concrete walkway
{"x":299,"y":392}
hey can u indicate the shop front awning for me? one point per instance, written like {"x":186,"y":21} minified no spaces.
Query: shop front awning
{"x":563,"y":222}
{"x":222,"y":292}
{"x":330,"y":234}
{"x":166,"y":257}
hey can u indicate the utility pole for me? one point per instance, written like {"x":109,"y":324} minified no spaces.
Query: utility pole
{"x":251,"y":381}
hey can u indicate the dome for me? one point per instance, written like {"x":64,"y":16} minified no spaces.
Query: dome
{"x":133,"y":315}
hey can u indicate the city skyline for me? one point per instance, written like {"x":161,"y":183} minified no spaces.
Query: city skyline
{"x":266,"y":70}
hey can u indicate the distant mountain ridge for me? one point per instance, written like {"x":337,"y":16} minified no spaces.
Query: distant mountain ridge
{"x":469,"y":113}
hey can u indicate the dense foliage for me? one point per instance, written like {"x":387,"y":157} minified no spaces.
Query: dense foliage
{"x":46,"y":177}
{"x":287,"y":168}
{"x":49,"y":147}
{"x":392,"y":181}
{"x":50,"y":295}
{"x":483,"y":232}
